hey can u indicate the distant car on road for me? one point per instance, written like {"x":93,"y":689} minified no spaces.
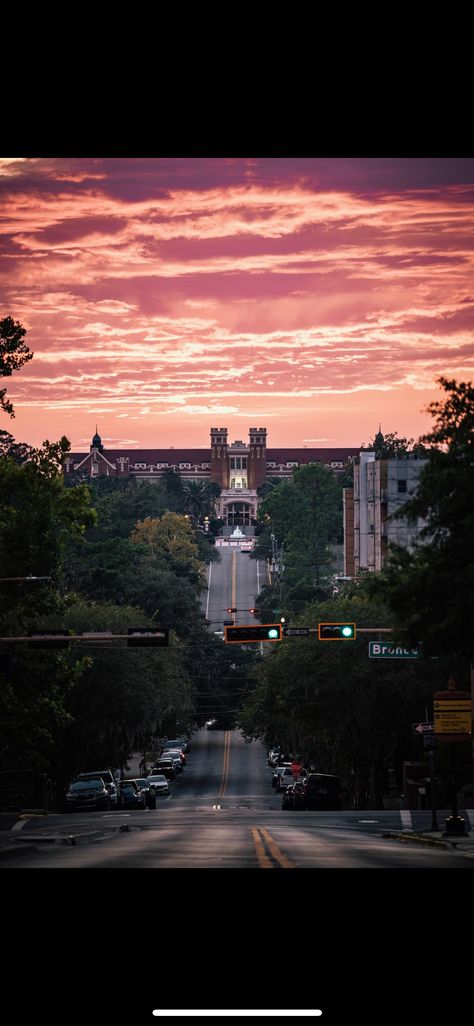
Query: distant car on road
{"x":211,"y":723}
{"x":246,"y":547}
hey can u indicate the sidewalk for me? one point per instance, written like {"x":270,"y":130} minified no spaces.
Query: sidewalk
{"x":439,"y":838}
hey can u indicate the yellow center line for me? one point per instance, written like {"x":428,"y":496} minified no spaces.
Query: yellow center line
{"x":263,"y":860}
{"x":225,"y":765}
{"x":273,"y":848}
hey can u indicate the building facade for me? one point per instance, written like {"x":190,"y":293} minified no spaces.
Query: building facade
{"x":381,"y":486}
{"x":239,"y":467}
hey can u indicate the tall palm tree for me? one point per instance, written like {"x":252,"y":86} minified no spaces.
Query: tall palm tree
{"x":200,"y":497}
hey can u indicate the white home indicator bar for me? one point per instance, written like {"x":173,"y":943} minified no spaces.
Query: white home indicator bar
{"x":237,"y":1011}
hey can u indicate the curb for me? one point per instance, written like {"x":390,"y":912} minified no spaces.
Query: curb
{"x":432,"y":842}
{"x":30,"y":843}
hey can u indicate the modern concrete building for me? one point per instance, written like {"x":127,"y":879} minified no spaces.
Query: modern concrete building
{"x":381,"y":486}
{"x":239,"y":467}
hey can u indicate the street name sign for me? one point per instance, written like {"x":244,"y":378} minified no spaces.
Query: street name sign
{"x":423,"y":728}
{"x":296,"y":632}
{"x":383,"y":650}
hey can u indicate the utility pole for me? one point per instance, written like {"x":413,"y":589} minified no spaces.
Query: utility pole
{"x":434,"y":819}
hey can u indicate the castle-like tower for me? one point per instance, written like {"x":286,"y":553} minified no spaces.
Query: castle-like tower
{"x":219,"y":467}
{"x":257,"y":467}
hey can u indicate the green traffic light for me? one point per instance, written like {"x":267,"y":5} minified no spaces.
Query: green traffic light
{"x":273,"y":633}
{"x":336,"y":631}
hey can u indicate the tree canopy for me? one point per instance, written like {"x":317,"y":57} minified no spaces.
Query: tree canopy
{"x":430,"y":589}
{"x":13,"y":355}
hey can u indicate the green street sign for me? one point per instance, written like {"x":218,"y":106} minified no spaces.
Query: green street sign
{"x":384,"y":650}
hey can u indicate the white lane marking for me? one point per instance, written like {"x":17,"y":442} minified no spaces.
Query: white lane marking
{"x":367,"y":821}
{"x":21,"y":823}
{"x":208,"y":591}
{"x":237,"y":1011}
{"x":405,"y":816}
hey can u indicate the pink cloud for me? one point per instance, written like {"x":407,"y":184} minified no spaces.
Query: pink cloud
{"x":173,"y":291}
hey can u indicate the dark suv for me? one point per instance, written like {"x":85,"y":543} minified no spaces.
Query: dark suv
{"x":319,"y":791}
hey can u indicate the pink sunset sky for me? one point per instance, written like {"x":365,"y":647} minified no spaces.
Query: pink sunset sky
{"x":162,"y":296}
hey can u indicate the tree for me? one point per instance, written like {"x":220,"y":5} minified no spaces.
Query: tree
{"x":391,"y":446}
{"x":49,"y":458}
{"x":347,"y":714}
{"x":170,"y":542}
{"x":430,"y":589}
{"x":13,"y":355}
{"x":123,"y":695}
{"x":305,"y":515}
{"x":39,"y":519}
{"x":200,"y":497}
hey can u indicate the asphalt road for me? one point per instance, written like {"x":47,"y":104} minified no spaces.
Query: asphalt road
{"x":223,"y":812}
{"x":235,"y":582}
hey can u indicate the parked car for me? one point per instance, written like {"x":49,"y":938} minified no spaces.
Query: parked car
{"x":164,"y":766}
{"x":278,"y":771}
{"x":177,"y":742}
{"x":131,"y":796}
{"x":320,"y":791}
{"x":109,"y":779}
{"x":172,"y":752}
{"x":160,"y":784}
{"x":177,"y":758}
{"x":87,"y":794}
{"x":291,"y":795}
{"x":285,"y":779}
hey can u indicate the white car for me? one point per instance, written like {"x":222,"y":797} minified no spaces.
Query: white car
{"x":159,"y":782}
{"x":246,"y":547}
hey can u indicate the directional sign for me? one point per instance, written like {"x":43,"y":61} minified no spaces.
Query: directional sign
{"x":296,"y":632}
{"x":423,"y":728}
{"x":452,"y":715}
{"x":384,"y":650}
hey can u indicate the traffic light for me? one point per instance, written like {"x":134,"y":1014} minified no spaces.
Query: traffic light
{"x":140,"y":637}
{"x":231,"y":609}
{"x":336,"y":631}
{"x":48,"y":639}
{"x":262,"y":632}
{"x":254,"y":611}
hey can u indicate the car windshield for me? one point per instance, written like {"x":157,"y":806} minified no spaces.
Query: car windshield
{"x":105,"y":775}
{"x":320,"y":780}
{"x":158,"y":779}
{"x":87,"y":785}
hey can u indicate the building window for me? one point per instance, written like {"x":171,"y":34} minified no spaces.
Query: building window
{"x":402,"y":486}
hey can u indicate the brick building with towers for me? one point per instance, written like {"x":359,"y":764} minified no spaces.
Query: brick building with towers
{"x":239,"y":467}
